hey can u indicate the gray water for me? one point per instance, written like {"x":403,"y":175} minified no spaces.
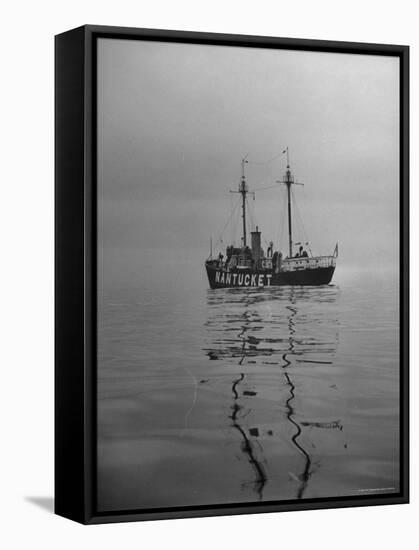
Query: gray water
{"x":229,"y":396}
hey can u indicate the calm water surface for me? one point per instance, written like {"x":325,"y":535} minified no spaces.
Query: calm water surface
{"x":228,"y":396}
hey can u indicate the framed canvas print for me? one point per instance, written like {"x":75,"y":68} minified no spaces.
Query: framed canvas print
{"x":231,"y":274}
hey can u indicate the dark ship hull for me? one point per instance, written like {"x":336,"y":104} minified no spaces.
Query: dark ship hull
{"x":219,"y":277}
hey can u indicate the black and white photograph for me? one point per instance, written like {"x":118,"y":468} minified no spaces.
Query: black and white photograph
{"x":209,"y":266}
{"x":248,"y":275}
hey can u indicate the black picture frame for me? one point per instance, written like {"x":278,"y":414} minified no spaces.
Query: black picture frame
{"x":75,"y":271}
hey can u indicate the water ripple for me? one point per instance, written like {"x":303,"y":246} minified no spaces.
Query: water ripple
{"x":244,"y":329}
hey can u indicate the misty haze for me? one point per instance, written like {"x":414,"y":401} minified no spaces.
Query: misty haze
{"x":270,"y":393}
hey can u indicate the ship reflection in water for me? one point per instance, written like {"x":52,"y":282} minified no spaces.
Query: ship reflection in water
{"x":277,"y":339}
{"x":244,"y":395}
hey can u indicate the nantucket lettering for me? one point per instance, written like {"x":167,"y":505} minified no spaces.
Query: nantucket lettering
{"x":240,"y":279}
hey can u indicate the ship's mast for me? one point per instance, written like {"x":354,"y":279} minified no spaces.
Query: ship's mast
{"x":288,"y":181}
{"x":243,"y":190}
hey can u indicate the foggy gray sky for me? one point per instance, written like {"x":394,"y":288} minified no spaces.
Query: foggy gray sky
{"x":174,"y":121}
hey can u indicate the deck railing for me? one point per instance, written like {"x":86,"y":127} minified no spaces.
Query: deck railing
{"x":295,"y":264}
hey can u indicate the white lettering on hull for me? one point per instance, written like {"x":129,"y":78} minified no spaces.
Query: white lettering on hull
{"x":240,"y":279}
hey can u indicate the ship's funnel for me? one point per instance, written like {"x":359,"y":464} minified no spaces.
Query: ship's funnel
{"x":256,"y":249}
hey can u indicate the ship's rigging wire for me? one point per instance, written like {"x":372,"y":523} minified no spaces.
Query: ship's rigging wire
{"x":234,"y":225}
{"x":299,"y":221}
{"x":251,"y":217}
{"x":231,"y":204}
{"x":267,"y":161}
{"x":267,"y":187}
{"x":282,"y":222}
{"x":305,"y":202}
{"x":220,"y":240}
{"x":298,"y":217}
{"x":297,"y":232}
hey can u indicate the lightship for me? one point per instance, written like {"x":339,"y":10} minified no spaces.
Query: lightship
{"x":250,"y":266}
